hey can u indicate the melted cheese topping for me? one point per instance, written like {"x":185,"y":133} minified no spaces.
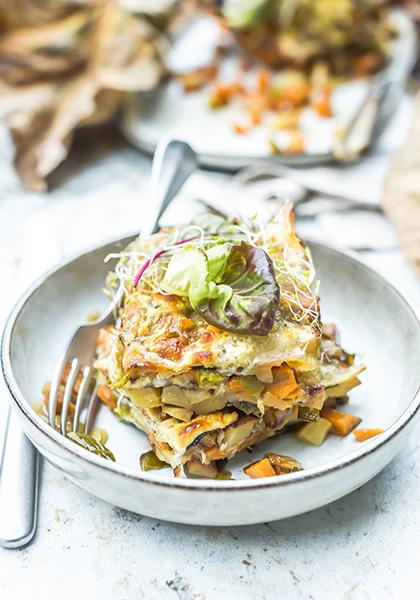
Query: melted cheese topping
{"x":158,"y":336}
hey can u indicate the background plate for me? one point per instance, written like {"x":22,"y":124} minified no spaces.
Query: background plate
{"x":168,"y":111}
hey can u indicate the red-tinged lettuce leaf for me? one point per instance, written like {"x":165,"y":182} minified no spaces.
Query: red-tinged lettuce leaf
{"x":248,"y":294}
{"x":231,"y":286}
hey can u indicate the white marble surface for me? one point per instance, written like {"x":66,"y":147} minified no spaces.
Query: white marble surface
{"x":365,"y":546}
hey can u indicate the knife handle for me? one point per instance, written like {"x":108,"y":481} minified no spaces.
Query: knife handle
{"x":18,"y":487}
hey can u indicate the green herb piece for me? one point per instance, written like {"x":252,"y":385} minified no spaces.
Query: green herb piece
{"x":308,"y":414}
{"x":208,"y":377}
{"x":89,"y":443}
{"x":100,"y":435}
{"x":224,"y":475}
{"x":283,"y":464}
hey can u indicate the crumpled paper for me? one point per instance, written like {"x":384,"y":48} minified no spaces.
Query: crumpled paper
{"x":69,"y":63}
{"x":401,"y":198}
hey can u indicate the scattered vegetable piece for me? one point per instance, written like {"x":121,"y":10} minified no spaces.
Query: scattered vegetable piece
{"x":305,"y":413}
{"x":364,"y":434}
{"x":100,"y":435}
{"x":284,"y":385}
{"x":88,"y":442}
{"x":197,"y":469}
{"x":341,"y":423}
{"x":107,"y":397}
{"x":261,"y":468}
{"x":194,"y":80}
{"x":224,"y":475}
{"x":314,"y":433}
{"x":283,"y":464}
{"x":150,"y":462}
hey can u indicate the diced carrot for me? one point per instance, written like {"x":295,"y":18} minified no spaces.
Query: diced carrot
{"x":194,"y":80}
{"x":105,"y":394}
{"x":262,"y":468}
{"x":263,"y":80}
{"x":240,"y":129}
{"x":341,"y":423}
{"x":364,"y":434}
{"x":296,"y":142}
{"x":222,"y":93}
{"x":321,"y":102}
{"x":255,"y":114}
{"x":284,"y":384}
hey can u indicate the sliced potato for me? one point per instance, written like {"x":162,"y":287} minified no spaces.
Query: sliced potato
{"x":238,"y":432}
{"x":146,"y":397}
{"x":175,"y":396}
{"x":197,"y":469}
{"x":314,"y":433}
{"x":336,"y":391}
{"x":211,"y":404}
{"x":178,"y":412}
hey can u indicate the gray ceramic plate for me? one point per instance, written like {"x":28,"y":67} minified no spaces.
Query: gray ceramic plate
{"x":374,"y":319}
{"x":168,"y":111}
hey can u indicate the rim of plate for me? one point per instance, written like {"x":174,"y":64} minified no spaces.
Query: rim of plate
{"x":197,"y":484}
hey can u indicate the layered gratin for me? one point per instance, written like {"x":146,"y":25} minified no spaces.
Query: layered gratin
{"x":218,"y":342}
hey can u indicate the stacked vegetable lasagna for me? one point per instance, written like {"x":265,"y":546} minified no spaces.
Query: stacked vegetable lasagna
{"x":219,"y":342}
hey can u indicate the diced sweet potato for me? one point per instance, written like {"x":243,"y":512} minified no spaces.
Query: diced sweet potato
{"x":364,"y":434}
{"x":284,"y":385}
{"x":106,"y":395}
{"x":321,"y":102}
{"x":341,"y":423}
{"x":261,"y":468}
{"x":194,"y":80}
{"x":247,"y":388}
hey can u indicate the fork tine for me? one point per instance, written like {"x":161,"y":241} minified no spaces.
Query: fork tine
{"x":67,"y":394}
{"x":91,"y":410}
{"x":53,"y":396}
{"x":84,"y":386}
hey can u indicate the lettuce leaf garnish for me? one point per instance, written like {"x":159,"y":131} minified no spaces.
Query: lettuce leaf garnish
{"x":231,"y":286}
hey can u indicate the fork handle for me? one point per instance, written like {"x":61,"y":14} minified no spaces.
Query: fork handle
{"x":173,"y":162}
{"x":18,"y":487}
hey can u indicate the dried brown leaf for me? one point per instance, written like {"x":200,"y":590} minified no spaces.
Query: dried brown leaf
{"x":401,"y":198}
{"x":71,"y":72}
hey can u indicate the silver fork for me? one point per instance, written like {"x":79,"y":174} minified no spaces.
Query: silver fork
{"x":174,"y":161}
